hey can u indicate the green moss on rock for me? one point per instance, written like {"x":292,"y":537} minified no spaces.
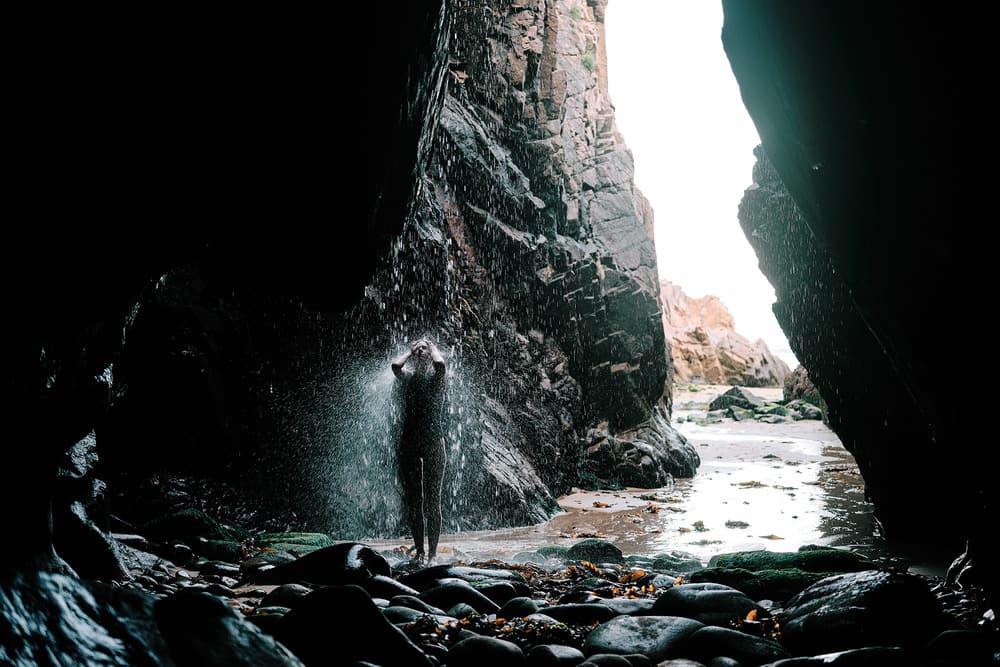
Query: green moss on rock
{"x":816,"y":560}
{"x":780,"y":584}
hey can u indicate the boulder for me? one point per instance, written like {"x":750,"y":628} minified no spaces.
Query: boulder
{"x":736,"y":396}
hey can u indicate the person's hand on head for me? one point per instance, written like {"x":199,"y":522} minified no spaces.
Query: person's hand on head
{"x":421,"y":348}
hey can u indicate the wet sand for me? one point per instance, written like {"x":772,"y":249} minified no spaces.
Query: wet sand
{"x":759,"y":486}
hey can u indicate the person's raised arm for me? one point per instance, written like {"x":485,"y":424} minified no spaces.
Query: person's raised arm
{"x":436,"y":357}
{"x":399,"y":362}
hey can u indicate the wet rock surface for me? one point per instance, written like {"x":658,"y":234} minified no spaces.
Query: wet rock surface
{"x":861,"y":609}
{"x":816,"y":217}
{"x":586,"y":604}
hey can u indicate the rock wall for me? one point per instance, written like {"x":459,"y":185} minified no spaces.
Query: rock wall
{"x":195,"y":139}
{"x":528,"y":257}
{"x":537,"y":187}
{"x":542,"y":183}
{"x":705,"y":347}
{"x":549,"y":300}
{"x":859,"y":206}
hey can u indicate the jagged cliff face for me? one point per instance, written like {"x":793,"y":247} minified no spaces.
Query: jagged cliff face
{"x":863,"y":217}
{"x":553,"y":290}
{"x":544,"y":196}
{"x":706,"y":348}
{"x":528,"y":257}
{"x":539,"y":198}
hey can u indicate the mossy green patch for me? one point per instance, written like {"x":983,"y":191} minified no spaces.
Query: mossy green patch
{"x":762,"y":584}
{"x":552,"y":551}
{"x":817,"y":560}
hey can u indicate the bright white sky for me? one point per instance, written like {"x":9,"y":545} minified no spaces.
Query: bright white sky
{"x":679,"y":107}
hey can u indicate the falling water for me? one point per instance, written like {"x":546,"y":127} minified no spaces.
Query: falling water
{"x":352,"y":475}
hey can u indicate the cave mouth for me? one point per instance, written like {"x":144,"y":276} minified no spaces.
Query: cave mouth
{"x":700,"y":162}
{"x":693,"y":143}
{"x":217,"y":322}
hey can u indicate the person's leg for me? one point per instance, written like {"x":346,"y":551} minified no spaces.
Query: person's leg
{"x":410,"y":475}
{"x":434,"y":463}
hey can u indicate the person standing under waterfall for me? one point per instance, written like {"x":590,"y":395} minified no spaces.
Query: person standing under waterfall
{"x":421,"y":451}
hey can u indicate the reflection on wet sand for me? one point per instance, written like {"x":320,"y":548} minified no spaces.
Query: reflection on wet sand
{"x":760,"y":486}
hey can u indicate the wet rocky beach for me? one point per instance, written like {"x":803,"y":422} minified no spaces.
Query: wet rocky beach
{"x":768,"y":556}
{"x":582,"y":604}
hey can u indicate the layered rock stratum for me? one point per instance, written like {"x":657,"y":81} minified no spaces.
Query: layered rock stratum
{"x":528,"y":256}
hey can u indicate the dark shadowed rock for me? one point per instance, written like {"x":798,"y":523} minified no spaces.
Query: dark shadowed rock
{"x":137,"y":559}
{"x":462,"y":610}
{"x":414,"y":603}
{"x":520,"y":607}
{"x":647,"y":458}
{"x":224,"y":550}
{"x":287,"y":541}
{"x":736,"y":396}
{"x":201,"y":629}
{"x":266,"y":621}
{"x":800,"y":409}
{"x":340,"y":564}
{"x":398,"y":615}
{"x":862,"y":657}
{"x":553,"y":551}
{"x":748,"y":649}
{"x":636,"y":607}
{"x":554,"y":655}
{"x":581,"y":614}
{"x":711,"y":604}
{"x":342,"y":623}
{"x":219,"y":568}
{"x":635,"y":660}
{"x":429,"y":576}
{"x":812,"y":560}
{"x":501,"y":591}
{"x":595,"y":551}
{"x":770,"y":584}
{"x":676,"y":564}
{"x":722,"y":661}
{"x":381,"y":586}
{"x":657,"y":637}
{"x":450,"y":592}
{"x":78,"y":500}
{"x":485,"y":652}
{"x":286,"y":595}
{"x":606,"y":660}
{"x":89,"y":551}
{"x":860,"y":609}
{"x":44,"y":614}
{"x":817,"y":220}
{"x":970,"y":647}
{"x":187,"y":525}
{"x":798,"y":387}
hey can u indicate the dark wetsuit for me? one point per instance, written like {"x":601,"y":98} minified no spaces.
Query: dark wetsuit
{"x":421,"y":455}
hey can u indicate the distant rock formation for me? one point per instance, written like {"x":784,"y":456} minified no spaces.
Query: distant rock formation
{"x":799,"y":387}
{"x":706,"y":347}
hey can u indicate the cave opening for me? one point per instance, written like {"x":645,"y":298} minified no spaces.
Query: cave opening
{"x":194,"y":417}
{"x":698,"y":160}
